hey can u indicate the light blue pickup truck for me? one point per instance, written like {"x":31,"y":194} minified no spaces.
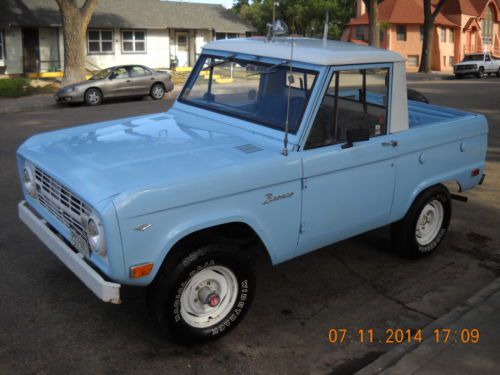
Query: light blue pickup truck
{"x":285,"y":146}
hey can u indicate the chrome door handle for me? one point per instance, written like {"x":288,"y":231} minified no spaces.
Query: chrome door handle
{"x":392,"y":143}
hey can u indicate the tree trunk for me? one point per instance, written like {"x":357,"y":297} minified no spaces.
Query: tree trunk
{"x":426,"y":62}
{"x":74,"y":47}
{"x":374,"y":26}
{"x":75,"y":21}
{"x":429,"y":18}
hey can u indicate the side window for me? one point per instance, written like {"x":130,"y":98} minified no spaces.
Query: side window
{"x":120,"y":73}
{"x":488,"y":58}
{"x":138,"y":71}
{"x":355,"y":99}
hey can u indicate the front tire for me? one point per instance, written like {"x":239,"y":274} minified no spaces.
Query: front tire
{"x":480,"y":74}
{"x":204,"y":294}
{"x":93,"y":97}
{"x":498,"y":73}
{"x":157,"y":91}
{"x":425,"y":225}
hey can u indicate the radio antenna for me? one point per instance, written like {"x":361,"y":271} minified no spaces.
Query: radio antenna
{"x":289,"y":80}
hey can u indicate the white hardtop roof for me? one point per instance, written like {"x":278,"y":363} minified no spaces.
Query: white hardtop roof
{"x":313,"y":51}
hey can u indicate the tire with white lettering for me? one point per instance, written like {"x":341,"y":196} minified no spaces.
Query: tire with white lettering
{"x":425,"y":225}
{"x":203,"y":294}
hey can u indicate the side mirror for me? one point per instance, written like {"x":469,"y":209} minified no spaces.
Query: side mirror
{"x":356,"y":135}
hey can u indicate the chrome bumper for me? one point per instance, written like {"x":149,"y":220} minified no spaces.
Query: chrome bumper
{"x":105,"y":290}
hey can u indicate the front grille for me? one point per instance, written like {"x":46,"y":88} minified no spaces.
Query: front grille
{"x":464,"y":67}
{"x":61,"y":202}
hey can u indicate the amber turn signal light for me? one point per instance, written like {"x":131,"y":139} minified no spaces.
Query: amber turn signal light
{"x":141,"y":270}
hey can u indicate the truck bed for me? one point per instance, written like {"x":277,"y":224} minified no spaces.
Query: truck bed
{"x":422,"y":114}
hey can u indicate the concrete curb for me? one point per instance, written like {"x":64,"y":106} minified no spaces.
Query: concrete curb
{"x":390,"y":358}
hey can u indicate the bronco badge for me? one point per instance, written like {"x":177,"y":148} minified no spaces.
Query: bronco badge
{"x":269,"y":197}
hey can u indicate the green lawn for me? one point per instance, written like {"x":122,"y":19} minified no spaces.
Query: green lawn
{"x":16,"y":87}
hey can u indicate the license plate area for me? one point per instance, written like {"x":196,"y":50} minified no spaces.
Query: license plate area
{"x":80,"y":243}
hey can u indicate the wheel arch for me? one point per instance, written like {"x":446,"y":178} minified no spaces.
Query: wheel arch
{"x":241,"y":232}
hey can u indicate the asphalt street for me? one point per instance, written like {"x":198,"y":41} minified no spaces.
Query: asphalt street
{"x":50,"y":323}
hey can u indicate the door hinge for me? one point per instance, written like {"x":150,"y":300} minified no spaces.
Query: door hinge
{"x":302,"y":227}
{"x":304,"y":183}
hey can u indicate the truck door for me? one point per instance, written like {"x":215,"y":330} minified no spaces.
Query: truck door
{"x":489,"y":65}
{"x":348,"y":188}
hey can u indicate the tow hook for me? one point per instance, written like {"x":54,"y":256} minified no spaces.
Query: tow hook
{"x":208,"y":296}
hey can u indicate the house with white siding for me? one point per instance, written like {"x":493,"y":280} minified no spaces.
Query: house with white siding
{"x":159,"y":34}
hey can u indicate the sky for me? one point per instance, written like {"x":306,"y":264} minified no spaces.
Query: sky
{"x":226,"y":3}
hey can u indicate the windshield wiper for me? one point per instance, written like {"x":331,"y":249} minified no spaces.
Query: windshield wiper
{"x":217,"y":63}
{"x":269,"y":70}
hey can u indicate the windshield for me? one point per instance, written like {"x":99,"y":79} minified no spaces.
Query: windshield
{"x":252,"y":91}
{"x":101,"y":75}
{"x":474,"y":58}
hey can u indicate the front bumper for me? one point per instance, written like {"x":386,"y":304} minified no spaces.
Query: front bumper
{"x":71,"y":97}
{"x":466,"y":71}
{"x":106,"y":291}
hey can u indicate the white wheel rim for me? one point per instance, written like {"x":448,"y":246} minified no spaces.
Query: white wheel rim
{"x":429,"y":222}
{"x":158,"y":92}
{"x":220,"y":280}
{"x":93,"y":97}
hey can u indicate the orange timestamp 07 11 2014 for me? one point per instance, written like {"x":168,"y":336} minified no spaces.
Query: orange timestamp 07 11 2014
{"x":402,"y":335}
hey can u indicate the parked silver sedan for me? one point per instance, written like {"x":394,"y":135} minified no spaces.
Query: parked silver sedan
{"x":119,"y":81}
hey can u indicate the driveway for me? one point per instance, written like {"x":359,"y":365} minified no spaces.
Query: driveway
{"x":50,"y":323}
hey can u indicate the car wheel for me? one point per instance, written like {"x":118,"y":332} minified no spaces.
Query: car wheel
{"x":425,"y":225}
{"x":204,"y":294}
{"x":458,"y":76}
{"x":157,"y":91}
{"x":480,"y":74}
{"x":93,"y":97}
{"x":498,"y":73}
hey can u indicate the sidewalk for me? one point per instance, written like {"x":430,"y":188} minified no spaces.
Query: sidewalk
{"x":479,"y":312}
{"x":27,"y":103}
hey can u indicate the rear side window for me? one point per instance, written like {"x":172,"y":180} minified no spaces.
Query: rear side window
{"x":355,"y":99}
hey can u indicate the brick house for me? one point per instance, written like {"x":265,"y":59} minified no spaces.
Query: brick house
{"x":463,"y":26}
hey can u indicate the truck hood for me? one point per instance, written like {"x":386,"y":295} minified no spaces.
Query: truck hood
{"x":101,"y":160}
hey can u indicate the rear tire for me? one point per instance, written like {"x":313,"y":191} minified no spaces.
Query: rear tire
{"x":480,"y":74}
{"x":157,"y":91}
{"x":458,"y":76}
{"x":425,"y":225}
{"x":93,"y":97}
{"x":177,"y":298}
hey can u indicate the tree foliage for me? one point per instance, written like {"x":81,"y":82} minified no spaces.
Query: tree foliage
{"x":305,"y":17}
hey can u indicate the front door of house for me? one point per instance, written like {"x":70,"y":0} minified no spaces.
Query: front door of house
{"x":30,"y":50}
{"x":182,"y":48}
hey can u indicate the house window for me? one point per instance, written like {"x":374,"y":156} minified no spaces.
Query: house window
{"x":1,"y":45}
{"x":381,"y":36}
{"x":487,"y":27}
{"x":413,"y":60}
{"x":221,"y":36}
{"x":133,"y":41}
{"x":421,"y":33}
{"x":100,"y":41}
{"x":451,"y":61}
{"x":443,"y":35}
{"x":451,"y":36}
{"x":401,"y":33}
{"x":360,"y":33}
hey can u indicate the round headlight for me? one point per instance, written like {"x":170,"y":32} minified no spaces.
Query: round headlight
{"x":96,"y":237}
{"x":29,"y":179}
